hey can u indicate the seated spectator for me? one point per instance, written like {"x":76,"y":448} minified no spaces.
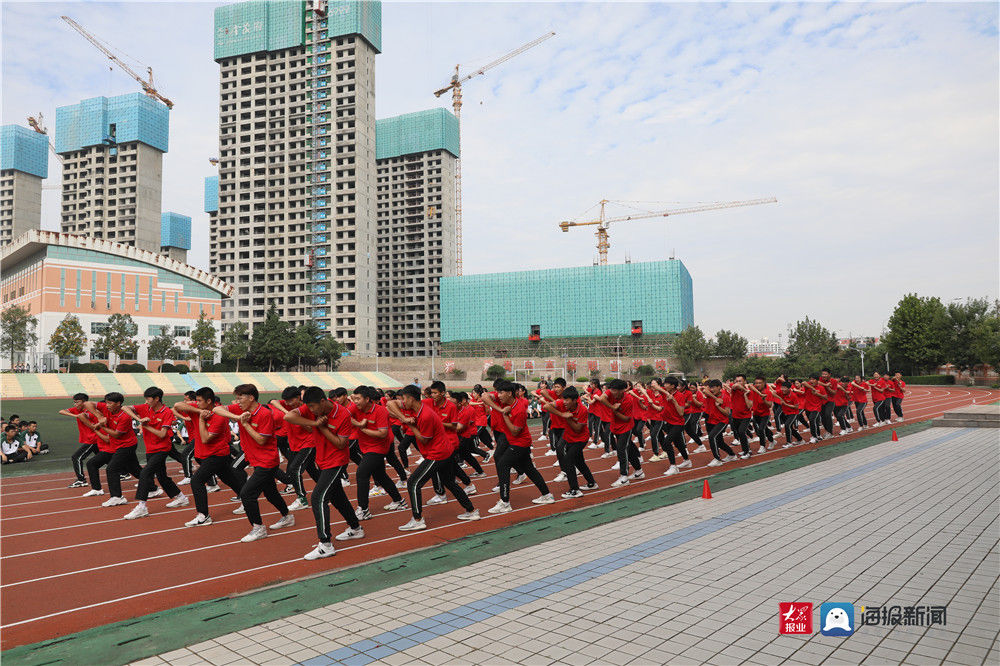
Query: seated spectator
{"x":33,"y":439}
{"x":12,"y":449}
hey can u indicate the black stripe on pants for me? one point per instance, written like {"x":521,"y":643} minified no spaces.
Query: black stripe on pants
{"x":518,"y":458}
{"x":674,"y":438}
{"x":156,"y":465}
{"x":303,"y":460}
{"x":329,"y":490}
{"x":372,"y":466}
{"x":442,"y":473}
{"x":215,"y":466}
{"x":628,"y":452}
{"x":79,"y":459}
{"x":715,"y":440}
{"x":261,"y":481}
{"x":691,"y":427}
{"x":573,"y":461}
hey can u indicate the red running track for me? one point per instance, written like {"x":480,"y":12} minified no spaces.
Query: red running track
{"x":69,"y":564}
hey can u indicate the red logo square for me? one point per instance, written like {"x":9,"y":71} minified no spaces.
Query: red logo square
{"x":795,"y":618}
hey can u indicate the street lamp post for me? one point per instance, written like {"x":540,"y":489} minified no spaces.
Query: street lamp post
{"x":618,"y":353}
{"x":861,"y":350}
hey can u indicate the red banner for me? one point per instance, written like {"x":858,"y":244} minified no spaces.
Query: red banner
{"x":529,"y":364}
{"x":593,"y":365}
{"x":661,"y":366}
{"x":636,"y":363}
{"x":571,"y":367}
{"x":550,"y":364}
{"x":615,"y":366}
{"x":508,"y":365}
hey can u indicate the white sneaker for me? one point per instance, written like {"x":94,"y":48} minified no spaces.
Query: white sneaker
{"x":685,"y":464}
{"x":606,"y":454}
{"x":572,"y":494}
{"x":413,"y":525}
{"x":362,"y":514}
{"x":140,"y":511}
{"x":186,"y":481}
{"x":199,"y":520}
{"x":700,"y":449}
{"x":377,"y":491}
{"x":616,"y":466}
{"x":78,"y":484}
{"x":761,"y":449}
{"x":489,"y":457}
{"x":501,"y":507}
{"x":592,"y":446}
{"x":420,"y":460}
{"x":299,"y":503}
{"x":155,"y":493}
{"x":520,"y":479}
{"x":437,"y":499}
{"x":786,"y":445}
{"x":729,"y":459}
{"x":590,"y":486}
{"x":469,"y":515}
{"x":542,"y":438}
{"x":715,"y":462}
{"x":289,"y":489}
{"x":320,"y":551}
{"x":561,"y":476}
{"x":638,"y":475}
{"x":478,"y":475}
{"x":471,"y":489}
{"x":257,"y":533}
{"x":287,"y":520}
{"x":496,"y":489}
{"x":544,"y":499}
{"x":93,"y":493}
{"x":212,"y":489}
{"x":239,"y":510}
{"x":671,"y":471}
{"x":180,"y":500}
{"x":622,"y":481}
{"x":114,"y":501}
{"x":744,"y":456}
{"x":345,"y":482}
{"x":812,"y":440}
{"x":395,"y":506}
{"x":401,"y":485}
{"x":351,"y":534}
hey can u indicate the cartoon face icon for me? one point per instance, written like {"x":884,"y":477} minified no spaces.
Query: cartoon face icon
{"x":837,"y":619}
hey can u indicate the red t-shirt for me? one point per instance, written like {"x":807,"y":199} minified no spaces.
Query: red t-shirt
{"x":280,"y":427}
{"x":669,"y":412}
{"x":810,"y":401}
{"x":792,"y":399}
{"x":375,"y":418}
{"x":626,"y":408}
{"x":555,"y":420}
{"x":898,"y":388}
{"x":840,"y":395}
{"x":712,"y":412}
{"x":87,"y":436}
{"x":878,"y":388}
{"x":860,"y":394}
{"x":298,"y":436}
{"x":598,"y":409}
{"x":466,"y":420}
{"x":579,"y":416}
{"x":262,"y":420}
{"x":740,"y":409}
{"x":162,"y":418}
{"x":760,"y":406}
{"x":119,"y":421}
{"x":519,"y":419}
{"x":338,"y":421}
{"x":439,"y":446}
{"x":831,"y":389}
{"x":690,"y":407}
{"x":448,"y":411}
{"x":219,"y":446}
{"x":496,"y":418}
{"x":393,"y":421}
{"x":480,"y":411}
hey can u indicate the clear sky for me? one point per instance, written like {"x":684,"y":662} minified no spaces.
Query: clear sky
{"x":875,"y":125}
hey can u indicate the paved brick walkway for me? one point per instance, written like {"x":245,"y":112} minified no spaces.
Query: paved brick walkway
{"x":913,"y":523}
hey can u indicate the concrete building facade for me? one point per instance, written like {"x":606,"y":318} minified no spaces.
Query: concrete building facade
{"x":113,"y":168}
{"x":24,"y":162}
{"x":416,"y":155}
{"x":175,"y":236}
{"x":296,"y":211}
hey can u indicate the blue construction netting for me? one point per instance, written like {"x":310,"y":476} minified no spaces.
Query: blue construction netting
{"x":258,"y":25}
{"x":418,"y":132}
{"x":107,"y":120}
{"x":212,"y":194}
{"x":23,"y":149}
{"x":175,"y":230}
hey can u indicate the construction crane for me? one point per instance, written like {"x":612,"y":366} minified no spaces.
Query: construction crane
{"x":147,"y":85}
{"x":456,"y":103}
{"x":36,"y":124}
{"x":603,"y":244}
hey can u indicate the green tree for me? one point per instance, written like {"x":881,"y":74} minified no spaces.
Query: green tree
{"x":918,"y":334}
{"x":236,"y":343}
{"x":164,"y":345}
{"x":964,"y":320}
{"x":985,"y":338}
{"x":811,"y":338}
{"x":768,"y":367}
{"x":119,"y":338}
{"x":17,"y":330}
{"x":690,"y":347}
{"x":68,"y":340}
{"x":203,"y":339}
{"x":306,"y":342}
{"x":270,"y":342}
{"x":730,"y":345}
{"x":330,"y":349}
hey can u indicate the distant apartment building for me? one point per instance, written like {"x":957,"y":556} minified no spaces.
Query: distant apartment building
{"x":24,"y":163}
{"x":112,"y":150}
{"x":175,"y":236}
{"x":416,"y":155}
{"x":296,"y":216}
{"x":765,"y":347}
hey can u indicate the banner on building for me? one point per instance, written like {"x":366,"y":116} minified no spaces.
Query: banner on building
{"x":661,"y":366}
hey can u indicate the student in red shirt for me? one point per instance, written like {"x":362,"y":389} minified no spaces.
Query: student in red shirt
{"x":898,"y":390}
{"x":718,"y":407}
{"x":695,"y":403}
{"x":603,"y":414}
{"x":157,"y":422}
{"x":118,"y":452}
{"x":85,"y":424}
{"x":760,"y":412}
{"x":841,"y":402}
{"x":482,"y":419}
{"x":371,"y":420}
{"x":622,"y":406}
{"x":554,"y":431}
{"x":513,"y":410}
{"x":492,"y":400}
{"x":575,"y":434}
{"x":436,"y":449}
{"x":653,"y":396}
{"x":829,"y":384}
{"x":331,"y":428}
{"x":739,"y":397}
{"x":787,"y":399}
{"x":257,"y":441}
{"x":814,"y":396}
{"x":301,"y":445}
{"x":467,"y":431}
{"x":673,"y":417}
{"x":878,"y":387}
{"x":859,"y":396}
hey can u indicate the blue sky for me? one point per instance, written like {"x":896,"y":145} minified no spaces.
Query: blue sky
{"x":875,"y":125}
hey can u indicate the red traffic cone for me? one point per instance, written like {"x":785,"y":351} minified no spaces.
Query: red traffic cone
{"x":706,"y":492}
{"x":895,"y":437}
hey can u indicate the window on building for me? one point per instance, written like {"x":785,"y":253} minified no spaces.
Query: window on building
{"x":98,"y":327}
{"x":182,"y":331}
{"x":98,"y":356}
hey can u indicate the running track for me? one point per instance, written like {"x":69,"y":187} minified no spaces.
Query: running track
{"x":69,"y":564}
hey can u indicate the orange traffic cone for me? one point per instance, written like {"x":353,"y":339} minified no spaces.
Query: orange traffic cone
{"x":895,"y":437}
{"x":706,"y":492}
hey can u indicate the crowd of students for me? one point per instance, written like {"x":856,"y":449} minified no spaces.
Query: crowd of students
{"x":21,"y":440}
{"x":323,"y":434}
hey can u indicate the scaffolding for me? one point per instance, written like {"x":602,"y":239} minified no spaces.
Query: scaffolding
{"x":624,"y":346}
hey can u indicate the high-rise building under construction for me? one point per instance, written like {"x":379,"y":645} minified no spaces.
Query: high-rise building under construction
{"x":24,"y":163}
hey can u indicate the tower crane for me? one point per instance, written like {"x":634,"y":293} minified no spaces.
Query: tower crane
{"x":36,"y":124}
{"x":455,"y":86}
{"x":147,"y":85}
{"x":603,"y":244}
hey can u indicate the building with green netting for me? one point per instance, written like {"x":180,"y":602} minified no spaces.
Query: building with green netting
{"x":589,"y":310}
